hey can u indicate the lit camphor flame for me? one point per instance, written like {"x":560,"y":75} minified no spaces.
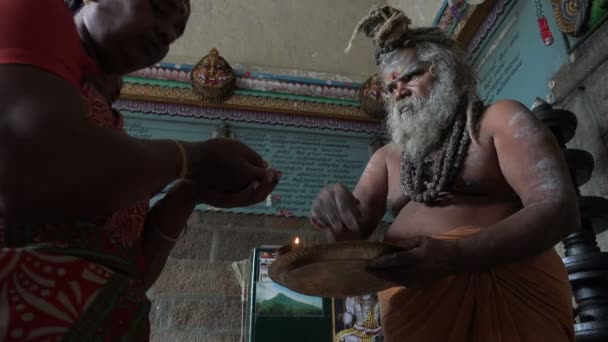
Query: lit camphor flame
{"x":296,"y":241}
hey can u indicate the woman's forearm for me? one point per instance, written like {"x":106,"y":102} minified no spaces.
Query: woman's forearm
{"x":96,"y":172}
{"x":55,"y":165}
{"x":163,"y":228}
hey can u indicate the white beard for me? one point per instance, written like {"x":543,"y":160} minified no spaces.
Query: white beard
{"x":418,"y":125}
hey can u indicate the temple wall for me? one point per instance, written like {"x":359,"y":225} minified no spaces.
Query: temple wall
{"x":311,"y":129}
{"x":197,"y":298}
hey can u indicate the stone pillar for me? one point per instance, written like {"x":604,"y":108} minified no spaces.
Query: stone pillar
{"x":586,"y":264}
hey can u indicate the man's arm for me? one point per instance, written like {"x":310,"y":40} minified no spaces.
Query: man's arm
{"x":346,"y":215}
{"x":372,"y":191}
{"x":533,"y":165}
{"x":54,"y":165}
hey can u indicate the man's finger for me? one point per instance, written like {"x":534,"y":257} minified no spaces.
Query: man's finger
{"x":388,"y":275}
{"x":393,"y":260}
{"x":409,"y":280}
{"x":350,"y":221}
{"x":411,"y":243}
{"x":316,"y":220}
{"x":315,"y":223}
{"x":330,"y":210}
{"x":349,"y":212}
{"x":316,"y":213}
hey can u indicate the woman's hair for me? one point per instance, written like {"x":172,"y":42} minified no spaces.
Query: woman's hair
{"x":390,"y":30}
{"x":74,"y":5}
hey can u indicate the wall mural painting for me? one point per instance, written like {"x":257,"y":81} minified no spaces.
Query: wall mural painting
{"x":577,"y":17}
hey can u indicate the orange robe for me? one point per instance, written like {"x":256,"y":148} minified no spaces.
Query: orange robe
{"x":525,"y":301}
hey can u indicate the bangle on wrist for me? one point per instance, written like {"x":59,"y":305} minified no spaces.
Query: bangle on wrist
{"x":170,"y":239}
{"x":183,"y":158}
{"x":166,"y":237}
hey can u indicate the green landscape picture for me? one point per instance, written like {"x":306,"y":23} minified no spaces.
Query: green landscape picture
{"x":275,"y":300}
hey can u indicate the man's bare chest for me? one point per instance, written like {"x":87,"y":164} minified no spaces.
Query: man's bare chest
{"x":480,"y":176}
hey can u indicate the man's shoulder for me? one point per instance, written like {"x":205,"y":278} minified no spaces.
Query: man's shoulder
{"x":388,"y":151}
{"x":504,"y":107}
{"x":503,"y":114}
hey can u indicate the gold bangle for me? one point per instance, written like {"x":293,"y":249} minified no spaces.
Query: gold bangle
{"x":168,"y":238}
{"x":184,"y":160}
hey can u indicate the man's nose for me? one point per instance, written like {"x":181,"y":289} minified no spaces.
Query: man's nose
{"x":401,"y":91}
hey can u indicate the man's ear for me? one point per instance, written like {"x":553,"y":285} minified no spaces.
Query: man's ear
{"x":432,"y":70}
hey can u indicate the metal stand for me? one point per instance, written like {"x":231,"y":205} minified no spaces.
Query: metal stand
{"x":586,"y":264}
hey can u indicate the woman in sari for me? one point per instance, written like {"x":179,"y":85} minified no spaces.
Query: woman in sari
{"x":79,"y":245}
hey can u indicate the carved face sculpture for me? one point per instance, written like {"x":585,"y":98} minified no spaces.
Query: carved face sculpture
{"x":372,"y":89}
{"x":370,"y":97}
{"x":213,"y":77}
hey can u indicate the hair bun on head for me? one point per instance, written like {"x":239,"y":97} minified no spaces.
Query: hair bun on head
{"x":390,"y":29}
{"x":386,"y":25}
{"x":394,"y":31}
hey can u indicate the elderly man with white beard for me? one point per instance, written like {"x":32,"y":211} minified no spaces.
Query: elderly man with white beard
{"x":480,"y":195}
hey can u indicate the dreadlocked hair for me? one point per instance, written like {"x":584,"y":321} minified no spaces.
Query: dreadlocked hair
{"x":389,"y":28}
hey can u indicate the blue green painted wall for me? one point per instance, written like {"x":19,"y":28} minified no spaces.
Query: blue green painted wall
{"x":513,"y":62}
{"x":310,"y":159}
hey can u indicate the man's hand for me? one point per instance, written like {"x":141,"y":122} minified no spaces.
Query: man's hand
{"x":336,"y":210}
{"x":423,"y":261}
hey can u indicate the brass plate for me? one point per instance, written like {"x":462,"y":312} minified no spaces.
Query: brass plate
{"x":332,"y":270}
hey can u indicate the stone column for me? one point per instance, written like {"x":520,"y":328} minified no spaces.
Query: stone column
{"x":586,"y":264}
